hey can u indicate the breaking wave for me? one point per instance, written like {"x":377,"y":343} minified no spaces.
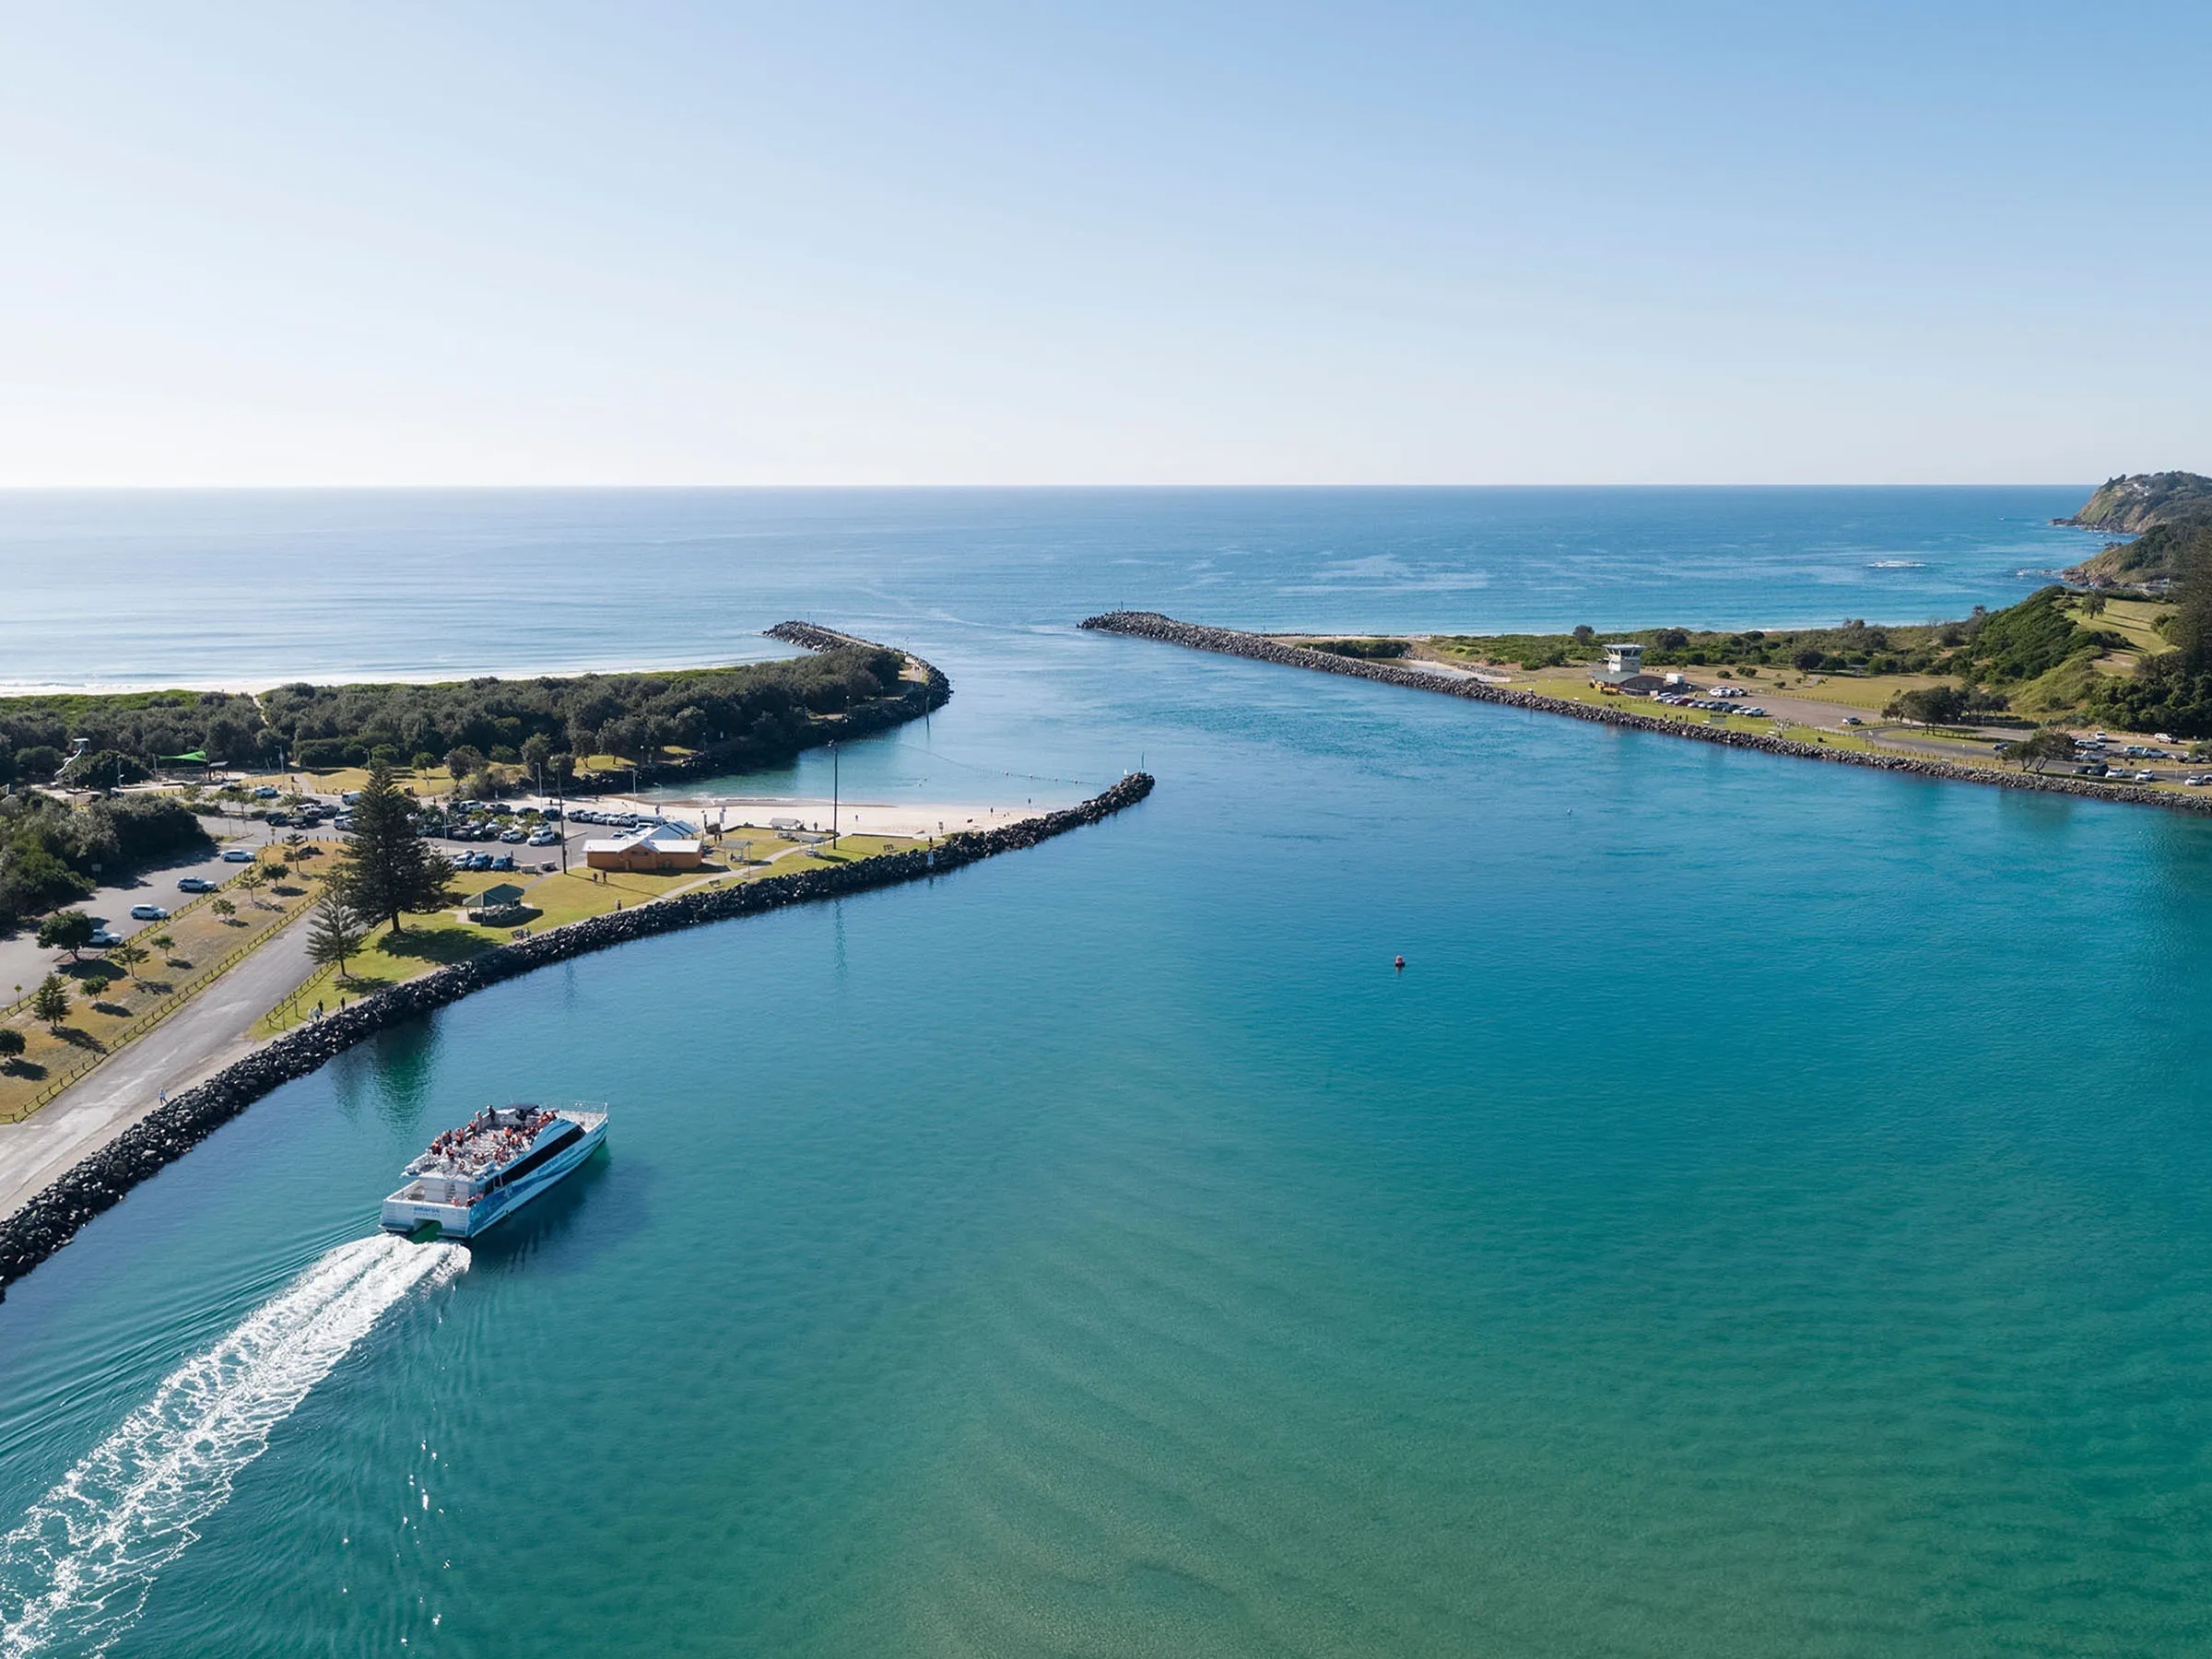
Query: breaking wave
{"x":76,"y":1570}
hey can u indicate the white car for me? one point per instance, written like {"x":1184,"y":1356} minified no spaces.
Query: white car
{"x":237,"y":855}
{"x":2141,"y":777}
{"x":148,"y":912}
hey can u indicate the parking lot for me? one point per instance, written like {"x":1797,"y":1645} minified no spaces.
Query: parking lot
{"x":22,"y":962}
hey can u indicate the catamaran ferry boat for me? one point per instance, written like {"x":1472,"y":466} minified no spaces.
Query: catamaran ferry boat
{"x":479,"y":1175}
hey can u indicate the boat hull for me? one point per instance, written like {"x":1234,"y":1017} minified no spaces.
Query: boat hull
{"x":407,"y":1213}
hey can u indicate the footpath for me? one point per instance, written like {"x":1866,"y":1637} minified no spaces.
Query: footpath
{"x":199,"y":1040}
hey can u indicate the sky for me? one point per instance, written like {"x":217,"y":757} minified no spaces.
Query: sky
{"x":463,"y":243}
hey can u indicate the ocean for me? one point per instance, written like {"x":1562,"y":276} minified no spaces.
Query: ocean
{"x":1764,"y":1216}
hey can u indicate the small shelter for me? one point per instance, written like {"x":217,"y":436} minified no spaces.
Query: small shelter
{"x":495,"y":902}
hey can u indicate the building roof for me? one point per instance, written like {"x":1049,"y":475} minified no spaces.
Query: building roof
{"x":499,"y":897}
{"x":640,"y":842}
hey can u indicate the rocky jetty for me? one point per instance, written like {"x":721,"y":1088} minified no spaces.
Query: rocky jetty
{"x":1151,"y":625}
{"x":49,"y":1220}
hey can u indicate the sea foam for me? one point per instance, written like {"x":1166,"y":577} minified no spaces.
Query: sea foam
{"x":76,"y":1572}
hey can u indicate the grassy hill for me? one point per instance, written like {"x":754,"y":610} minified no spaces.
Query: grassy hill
{"x":2130,"y":505}
{"x":2152,"y":559}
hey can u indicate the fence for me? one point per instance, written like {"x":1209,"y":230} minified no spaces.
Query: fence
{"x":152,"y":1017}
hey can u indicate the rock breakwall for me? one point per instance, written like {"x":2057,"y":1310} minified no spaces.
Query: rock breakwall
{"x":52,"y":1219}
{"x":1151,"y":625}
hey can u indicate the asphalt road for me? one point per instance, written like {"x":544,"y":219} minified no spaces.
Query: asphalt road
{"x":23,"y":963}
{"x":207,"y":1034}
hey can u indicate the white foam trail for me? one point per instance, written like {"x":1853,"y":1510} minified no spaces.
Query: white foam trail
{"x":76,"y":1571}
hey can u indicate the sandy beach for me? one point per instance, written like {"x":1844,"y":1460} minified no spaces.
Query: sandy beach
{"x":875,"y":818}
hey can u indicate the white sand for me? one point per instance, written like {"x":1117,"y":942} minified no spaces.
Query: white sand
{"x":854,"y":817}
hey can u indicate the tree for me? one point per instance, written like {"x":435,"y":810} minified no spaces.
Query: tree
{"x":463,"y":760}
{"x":11,"y":1042}
{"x":50,"y":1002}
{"x":253,"y":877}
{"x":1931,"y":705}
{"x":105,"y":768}
{"x":537,"y":748}
{"x":224,"y":908}
{"x":2038,"y":750}
{"x":69,"y":930}
{"x":386,"y":868}
{"x":127,"y":956}
{"x":1810,"y":658}
{"x":335,"y":934}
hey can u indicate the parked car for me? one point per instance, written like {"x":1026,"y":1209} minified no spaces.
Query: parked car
{"x":267,"y":791}
{"x":505,"y":861}
{"x":545,"y":838}
{"x":237,"y":855}
{"x":343,"y":822}
{"x":512,"y":835}
{"x":2147,"y":777}
{"x":194,"y":884}
{"x":1852,"y":720}
{"x":279,"y":819}
{"x":102,"y":939}
{"x":148,"y":912}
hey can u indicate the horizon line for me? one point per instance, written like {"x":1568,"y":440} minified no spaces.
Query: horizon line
{"x":150,"y":489}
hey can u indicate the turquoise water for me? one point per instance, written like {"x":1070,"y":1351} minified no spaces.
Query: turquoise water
{"x":251,"y":588}
{"x":1765,"y":1216}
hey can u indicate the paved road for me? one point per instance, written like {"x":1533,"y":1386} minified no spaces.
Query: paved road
{"x":201,"y":1038}
{"x":23,"y":963}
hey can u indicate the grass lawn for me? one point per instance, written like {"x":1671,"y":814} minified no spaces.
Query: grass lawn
{"x":2134,"y":619}
{"x":432,"y":940}
{"x":203,"y":940}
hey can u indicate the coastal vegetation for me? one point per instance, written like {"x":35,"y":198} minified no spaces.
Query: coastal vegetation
{"x":2007,"y":647}
{"x":2165,"y":512}
{"x":1372,"y":649}
{"x":49,"y":848}
{"x":2134,"y":503}
{"x":754,"y":712}
{"x":2172,"y":690}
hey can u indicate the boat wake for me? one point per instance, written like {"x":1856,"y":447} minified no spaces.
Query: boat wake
{"x":76,"y":1572}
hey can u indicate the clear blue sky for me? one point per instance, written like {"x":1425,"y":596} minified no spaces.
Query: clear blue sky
{"x":823,"y":243}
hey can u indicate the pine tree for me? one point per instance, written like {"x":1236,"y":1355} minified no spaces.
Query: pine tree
{"x":335,"y":935}
{"x":50,"y":1002}
{"x":386,"y":867}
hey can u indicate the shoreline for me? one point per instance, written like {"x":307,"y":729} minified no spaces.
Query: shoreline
{"x":1194,"y":636}
{"x":96,"y":1184}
